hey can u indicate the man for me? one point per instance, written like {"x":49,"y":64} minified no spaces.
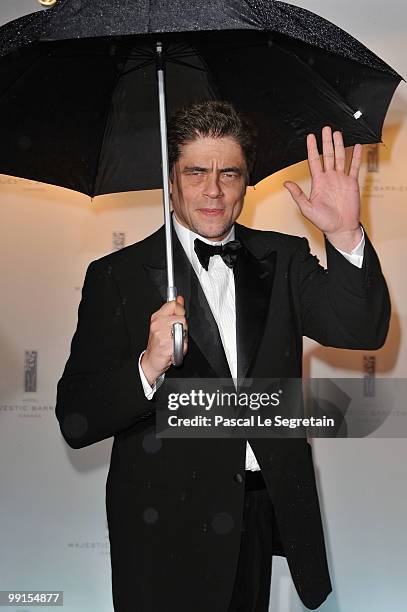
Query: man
{"x":193,"y":523}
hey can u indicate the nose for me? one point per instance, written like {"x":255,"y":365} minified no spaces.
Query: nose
{"x":212,"y":187}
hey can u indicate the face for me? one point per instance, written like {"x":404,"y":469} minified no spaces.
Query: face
{"x":208,"y":186}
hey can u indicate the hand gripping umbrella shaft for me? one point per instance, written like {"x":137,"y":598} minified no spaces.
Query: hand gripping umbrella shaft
{"x":177,"y":328}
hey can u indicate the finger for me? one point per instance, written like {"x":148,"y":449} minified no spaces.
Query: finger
{"x":314,"y":160}
{"x":179,"y":311}
{"x":339,"y":152}
{"x":185,"y":347}
{"x":179,"y":308}
{"x":166,"y":309}
{"x":298,"y":195}
{"x":356,"y":161}
{"x":328,"y":148}
{"x":169,"y":308}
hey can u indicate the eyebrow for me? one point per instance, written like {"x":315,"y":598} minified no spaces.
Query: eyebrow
{"x":202,"y":169}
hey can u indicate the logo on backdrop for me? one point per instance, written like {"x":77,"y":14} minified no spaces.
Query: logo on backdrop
{"x":118,"y":239}
{"x":373,"y":158}
{"x":101,"y":546}
{"x":30,"y":371}
{"x":369,"y":373}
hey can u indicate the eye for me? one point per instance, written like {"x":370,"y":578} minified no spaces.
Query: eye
{"x":230,"y":176}
{"x":195,"y":173}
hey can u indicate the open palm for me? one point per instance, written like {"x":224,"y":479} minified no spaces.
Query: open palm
{"x":334,"y":202}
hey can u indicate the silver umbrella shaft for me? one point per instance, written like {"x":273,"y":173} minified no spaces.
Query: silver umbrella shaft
{"x":177,"y":331}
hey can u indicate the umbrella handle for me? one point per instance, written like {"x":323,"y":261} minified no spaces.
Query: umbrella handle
{"x":178,"y":344}
{"x":177,"y":332}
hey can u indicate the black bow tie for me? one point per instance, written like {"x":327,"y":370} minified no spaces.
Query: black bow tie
{"x":228,"y":252}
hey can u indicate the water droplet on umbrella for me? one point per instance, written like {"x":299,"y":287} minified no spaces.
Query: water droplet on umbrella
{"x":150,"y":516}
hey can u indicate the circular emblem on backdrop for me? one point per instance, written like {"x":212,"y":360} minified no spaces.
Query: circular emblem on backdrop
{"x":47,"y":2}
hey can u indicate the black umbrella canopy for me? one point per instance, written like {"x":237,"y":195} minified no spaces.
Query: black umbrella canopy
{"x":78,"y":90}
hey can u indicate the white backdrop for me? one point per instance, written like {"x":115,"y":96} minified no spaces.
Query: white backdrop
{"x":53,"y":525}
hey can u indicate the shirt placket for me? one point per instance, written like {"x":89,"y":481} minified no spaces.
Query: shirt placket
{"x":222,"y":309}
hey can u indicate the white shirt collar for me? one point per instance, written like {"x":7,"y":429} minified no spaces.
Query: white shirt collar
{"x":187,"y":238}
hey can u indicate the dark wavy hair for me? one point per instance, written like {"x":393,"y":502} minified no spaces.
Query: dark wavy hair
{"x":216,"y":119}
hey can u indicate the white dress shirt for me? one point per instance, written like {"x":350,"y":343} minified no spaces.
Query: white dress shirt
{"x":218,"y":286}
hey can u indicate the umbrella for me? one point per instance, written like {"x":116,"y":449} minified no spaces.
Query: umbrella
{"x":78,"y":87}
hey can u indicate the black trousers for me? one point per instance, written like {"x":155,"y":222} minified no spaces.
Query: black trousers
{"x":251,"y":592}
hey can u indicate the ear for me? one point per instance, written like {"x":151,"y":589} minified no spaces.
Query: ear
{"x":171,"y":180}
{"x":245,"y":188}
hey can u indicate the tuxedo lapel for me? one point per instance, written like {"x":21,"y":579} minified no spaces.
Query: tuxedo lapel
{"x":201,"y":324}
{"x":254,"y":275}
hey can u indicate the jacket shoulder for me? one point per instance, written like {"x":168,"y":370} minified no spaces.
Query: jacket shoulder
{"x":267,"y":240}
{"x":131,"y":253}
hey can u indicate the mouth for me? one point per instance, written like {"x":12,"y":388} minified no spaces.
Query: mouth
{"x":211,"y":212}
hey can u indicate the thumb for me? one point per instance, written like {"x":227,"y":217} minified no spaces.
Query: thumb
{"x":180,"y":300}
{"x":298,"y":195}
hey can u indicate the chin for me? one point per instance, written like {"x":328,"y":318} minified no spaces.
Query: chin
{"x":213,"y":231}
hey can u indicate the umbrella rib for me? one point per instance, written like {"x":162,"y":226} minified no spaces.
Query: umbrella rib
{"x":174,"y":61}
{"x":180,"y":47}
{"x":143,"y":53}
{"x":180,"y":55}
{"x":107,"y":120}
{"x":139,"y":67}
{"x":20,"y":76}
{"x":103,"y":137}
{"x":104,"y":55}
{"x":180,"y":50}
{"x":332,"y":89}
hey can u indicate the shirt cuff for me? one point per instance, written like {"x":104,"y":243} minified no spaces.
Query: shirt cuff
{"x":147,"y":388}
{"x":356,"y":255}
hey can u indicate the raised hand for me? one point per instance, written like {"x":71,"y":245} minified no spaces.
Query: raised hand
{"x":334,"y":202}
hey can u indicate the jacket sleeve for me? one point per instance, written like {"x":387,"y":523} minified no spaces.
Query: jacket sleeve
{"x":100,"y":393}
{"x":343,"y":306}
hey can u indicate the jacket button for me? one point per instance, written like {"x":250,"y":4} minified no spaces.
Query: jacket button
{"x":238,"y":477}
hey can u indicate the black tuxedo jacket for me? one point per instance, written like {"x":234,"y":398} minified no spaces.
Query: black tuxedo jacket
{"x":174,"y":506}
